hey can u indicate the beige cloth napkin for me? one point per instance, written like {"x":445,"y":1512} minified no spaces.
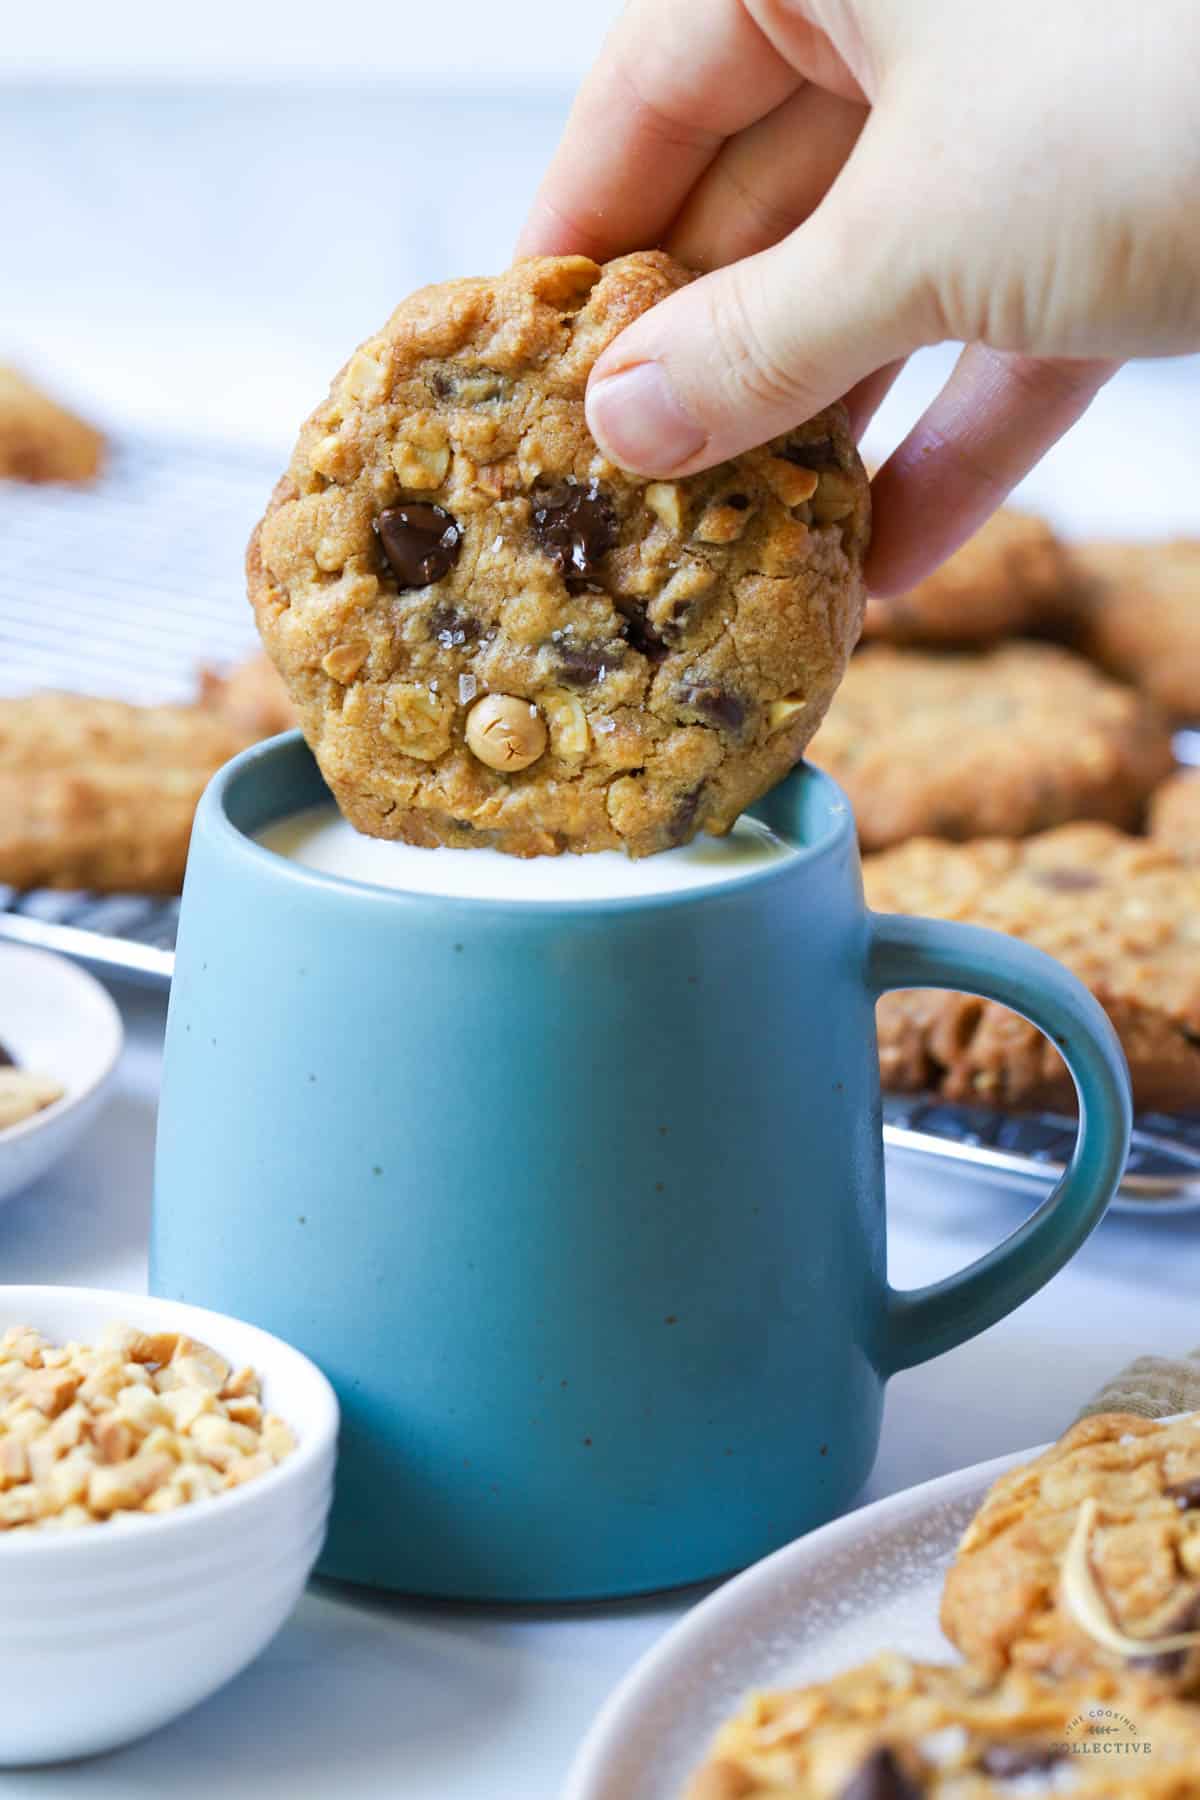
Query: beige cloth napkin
{"x":1152,"y":1386}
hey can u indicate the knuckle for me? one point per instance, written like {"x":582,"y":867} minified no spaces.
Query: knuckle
{"x":762,"y":370}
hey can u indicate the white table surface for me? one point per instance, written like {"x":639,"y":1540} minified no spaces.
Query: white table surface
{"x":204,"y":261}
{"x":367,"y":1697}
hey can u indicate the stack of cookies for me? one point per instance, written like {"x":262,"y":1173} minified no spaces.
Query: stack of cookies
{"x":1005,"y":737}
{"x":1075,"y":1600}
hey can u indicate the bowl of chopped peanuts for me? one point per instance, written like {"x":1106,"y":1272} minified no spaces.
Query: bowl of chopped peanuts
{"x":165,"y":1478}
{"x":60,"y":1038}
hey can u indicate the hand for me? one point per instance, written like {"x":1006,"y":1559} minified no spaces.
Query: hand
{"x":864,"y":177}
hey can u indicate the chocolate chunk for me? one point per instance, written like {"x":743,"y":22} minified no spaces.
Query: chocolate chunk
{"x":820,"y":453}
{"x":1186,"y":1617}
{"x":581,"y":665}
{"x":451,"y":627}
{"x":682,"y":820}
{"x":881,"y":1778}
{"x":1008,"y":1761}
{"x":420,"y":541}
{"x":473,"y":387}
{"x":717,"y":705}
{"x":739,"y":502}
{"x":7,"y":1059}
{"x":641,"y":635}
{"x":1186,"y":1494}
{"x":576,"y":527}
{"x":1067,"y":881}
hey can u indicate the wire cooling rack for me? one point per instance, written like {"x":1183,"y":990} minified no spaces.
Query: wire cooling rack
{"x":124,"y":588}
{"x":128,"y":587}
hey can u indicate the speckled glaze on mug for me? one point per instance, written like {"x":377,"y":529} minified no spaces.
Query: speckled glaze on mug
{"x":580,"y":1206}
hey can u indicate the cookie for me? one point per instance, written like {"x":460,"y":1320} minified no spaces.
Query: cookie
{"x":40,"y":440}
{"x":1123,"y":913}
{"x":1013,"y":577}
{"x":1009,"y":740}
{"x":1088,"y":1557}
{"x":99,"y":794}
{"x":1138,"y":614}
{"x":494,"y":636}
{"x":251,"y":694}
{"x":1175,"y":814}
{"x":894,"y":1729}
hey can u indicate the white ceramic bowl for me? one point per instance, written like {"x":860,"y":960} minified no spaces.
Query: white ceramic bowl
{"x":110,"y":1631}
{"x":55,"y":1018}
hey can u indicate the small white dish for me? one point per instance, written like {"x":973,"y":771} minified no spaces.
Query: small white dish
{"x":57,"y":1020}
{"x":109,"y":1631}
{"x":866,"y":1582}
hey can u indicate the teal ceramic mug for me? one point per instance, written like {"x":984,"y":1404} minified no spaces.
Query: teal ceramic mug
{"x":580,"y":1205}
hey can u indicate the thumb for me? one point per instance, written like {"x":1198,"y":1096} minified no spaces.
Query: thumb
{"x":745,"y":353}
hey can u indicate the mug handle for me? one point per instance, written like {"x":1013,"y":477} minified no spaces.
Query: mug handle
{"x":934,"y":953}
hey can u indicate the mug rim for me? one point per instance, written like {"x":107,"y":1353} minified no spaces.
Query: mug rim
{"x":213,"y":817}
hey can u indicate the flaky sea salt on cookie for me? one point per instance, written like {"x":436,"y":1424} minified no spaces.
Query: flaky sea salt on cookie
{"x":494,"y":636}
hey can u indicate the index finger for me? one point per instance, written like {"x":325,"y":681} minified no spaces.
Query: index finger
{"x":647,"y":122}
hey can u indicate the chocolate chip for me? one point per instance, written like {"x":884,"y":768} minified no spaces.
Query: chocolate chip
{"x":1167,"y":1664}
{"x":1008,"y":1761}
{"x":881,"y":1778}
{"x":739,"y":502}
{"x":576,"y":527}
{"x":7,"y":1059}
{"x":1186,"y":1494}
{"x":642,"y":637}
{"x":683,"y":819}
{"x":451,"y":627}
{"x":580,"y":665}
{"x":1067,"y":881}
{"x":1186,"y":1617}
{"x":473,"y":387}
{"x":717,"y":705}
{"x":420,"y":541}
{"x":819,"y":453}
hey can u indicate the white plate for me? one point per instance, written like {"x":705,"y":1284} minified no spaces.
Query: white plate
{"x":868,"y":1582}
{"x":55,"y":1018}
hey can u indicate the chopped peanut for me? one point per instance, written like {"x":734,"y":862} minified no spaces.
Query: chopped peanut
{"x":141,"y":1422}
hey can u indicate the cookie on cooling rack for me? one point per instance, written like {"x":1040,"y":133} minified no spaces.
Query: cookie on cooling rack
{"x":1009,"y":740}
{"x":1088,"y":1558}
{"x":1139,"y":615}
{"x":251,"y":694}
{"x":40,"y":440}
{"x":1175,"y":814}
{"x":1123,"y":913}
{"x":495,"y":636}
{"x":99,"y":794}
{"x":1012,"y":578}
{"x":894,"y":1729}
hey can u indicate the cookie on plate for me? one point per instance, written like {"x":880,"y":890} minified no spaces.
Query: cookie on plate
{"x":1122,"y":912}
{"x":1175,"y":814}
{"x":252,"y":694}
{"x":1009,"y":740}
{"x":1013,"y":577}
{"x":1088,"y":1557}
{"x":894,"y":1729}
{"x":100,"y":794}
{"x":1139,"y":615}
{"x":40,"y":440}
{"x":494,"y":636}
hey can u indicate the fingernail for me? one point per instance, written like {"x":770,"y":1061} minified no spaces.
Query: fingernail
{"x":637,"y":418}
